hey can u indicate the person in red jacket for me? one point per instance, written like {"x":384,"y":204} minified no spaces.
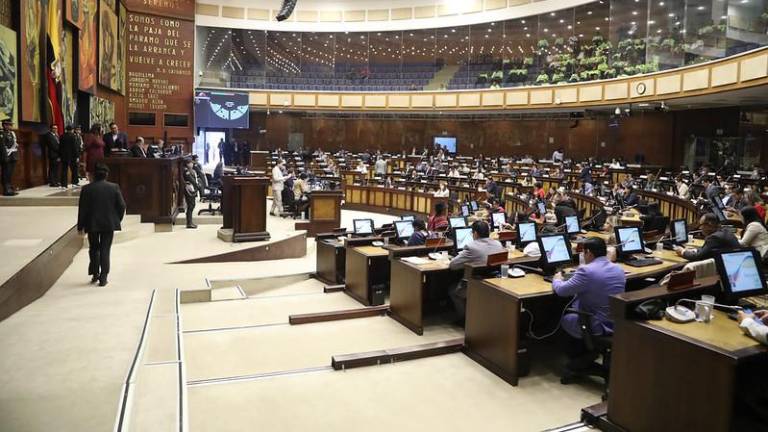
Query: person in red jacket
{"x":438,"y":221}
{"x":93,"y":145}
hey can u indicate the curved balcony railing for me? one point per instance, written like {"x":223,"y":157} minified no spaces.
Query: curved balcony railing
{"x":595,"y":41}
{"x":737,"y":72}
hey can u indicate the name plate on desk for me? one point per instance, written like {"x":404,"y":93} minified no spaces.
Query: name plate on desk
{"x":681,"y":280}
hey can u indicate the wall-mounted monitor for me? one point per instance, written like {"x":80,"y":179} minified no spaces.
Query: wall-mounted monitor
{"x":221,"y":110}
{"x":447,"y":143}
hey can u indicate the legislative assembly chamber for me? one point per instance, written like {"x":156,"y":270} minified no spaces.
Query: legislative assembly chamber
{"x":365,"y":215}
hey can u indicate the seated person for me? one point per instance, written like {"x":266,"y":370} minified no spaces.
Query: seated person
{"x":438,"y":221}
{"x":420,"y":233}
{"x":492,"y":188}
{"x":755,"y":234}
{"x":716,"y":240}
{"x":592,"y":285}
{"x":736,"y":200}
{"x":564,"y":208}
{"x":755,"y":325}
{"x":632,"y":198}
{"x":442,"y":191}
{"x":140,"y":149}
{"x":474,"y":253}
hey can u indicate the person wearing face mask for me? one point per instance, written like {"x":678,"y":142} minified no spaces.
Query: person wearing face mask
{"x":592,"y":285}
{"x":716,"y":240}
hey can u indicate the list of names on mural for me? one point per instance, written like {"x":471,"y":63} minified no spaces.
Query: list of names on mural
{"x":160,"y":61}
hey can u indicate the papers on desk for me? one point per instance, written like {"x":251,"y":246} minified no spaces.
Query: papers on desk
{"x":415,"y":260}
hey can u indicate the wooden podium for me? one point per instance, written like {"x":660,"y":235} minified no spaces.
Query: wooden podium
{"x":152,"y":188}
{"x":244,"y":204}
{"x":324,"y":212}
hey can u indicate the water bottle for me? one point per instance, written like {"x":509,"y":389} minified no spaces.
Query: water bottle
{"x":504,"y":271}
{"x":582,"y":260}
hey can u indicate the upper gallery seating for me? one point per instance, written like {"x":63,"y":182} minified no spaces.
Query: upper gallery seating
{"x":344,"y":78}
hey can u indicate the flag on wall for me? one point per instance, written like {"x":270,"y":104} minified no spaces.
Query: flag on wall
{"x":53,"y":63}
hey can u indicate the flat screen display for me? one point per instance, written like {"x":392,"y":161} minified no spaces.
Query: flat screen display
{"x":465,"y":210}
{"x":526,"y":232}
{"x":630,"y":239}
{"x":473,"y":205}
{"x":680,"y":231}
{"x":448,"y":144}
{"x":742,"y":271}
{"x":555,"y":249}
{"x":224,"y":110}
{"x":463,"y":237}
{"x":457,"y":222}
{"x":572,"y":225}
{"x":542,"y":208}
{"x":719,"y":213}
{"x":363,"y":226}
{"x":408,"y":218}
{"x":404,"y":229}
{"x":498,"y":219}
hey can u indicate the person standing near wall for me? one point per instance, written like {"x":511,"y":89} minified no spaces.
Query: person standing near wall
{"x":9,"y":154}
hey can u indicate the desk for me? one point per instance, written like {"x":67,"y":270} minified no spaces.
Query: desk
{"x":409,"y":283}
{"x":331,"y":257}
{"x":492,"y":330}
{"x":632,"y":219}
{"x":676,"y":377}
{"x":367,"y":272}
{"x":390,"y":201}
{"x":494,"y":308}
{"x":244,"y":205}
{"x":152,"y":188}
{"x":324,"y":212}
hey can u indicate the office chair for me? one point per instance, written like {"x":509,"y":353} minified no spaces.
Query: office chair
{"x":211,"y":195}
{"x":289,"y":203}
{"x":600,"y":345}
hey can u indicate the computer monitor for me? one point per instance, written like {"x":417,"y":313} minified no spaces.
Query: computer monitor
{"x":404,"y":229}
{"x":719,"y":213}
{"x":572,"y":225}
{"x":465,"y":210}
{"x":555,"y":249}
{"x":498,"y":219}
{"x":363,"y":226}
{"x":679,"y":231}
{"x":408,"y":217}
{"x":629,"y":240}
{"x":542,"y":208}
{"x":740,"y":273}
{"x":457,"y":221}
{"x":463,"y":238}
{"x":526,"y":232}
{"x":473,"y":205}
{"x":717,"y":202}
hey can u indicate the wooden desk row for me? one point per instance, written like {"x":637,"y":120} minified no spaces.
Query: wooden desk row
{"x":494,"y":314}
{"x":673,"y":206}
{"x":678,"y":377}
{"x":391,"y":201}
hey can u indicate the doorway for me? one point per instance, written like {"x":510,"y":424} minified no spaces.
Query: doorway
{"x":207,"y":146}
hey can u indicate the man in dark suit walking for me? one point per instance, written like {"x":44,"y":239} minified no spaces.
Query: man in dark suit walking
{"x":70,"y":156}
{"x":114,"y":139}
{"x":50,"y":141}
{"x":100,"y":212}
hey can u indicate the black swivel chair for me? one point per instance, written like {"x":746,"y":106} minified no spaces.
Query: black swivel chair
{"x":211,"y":195}
{"x":600,"y":345}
